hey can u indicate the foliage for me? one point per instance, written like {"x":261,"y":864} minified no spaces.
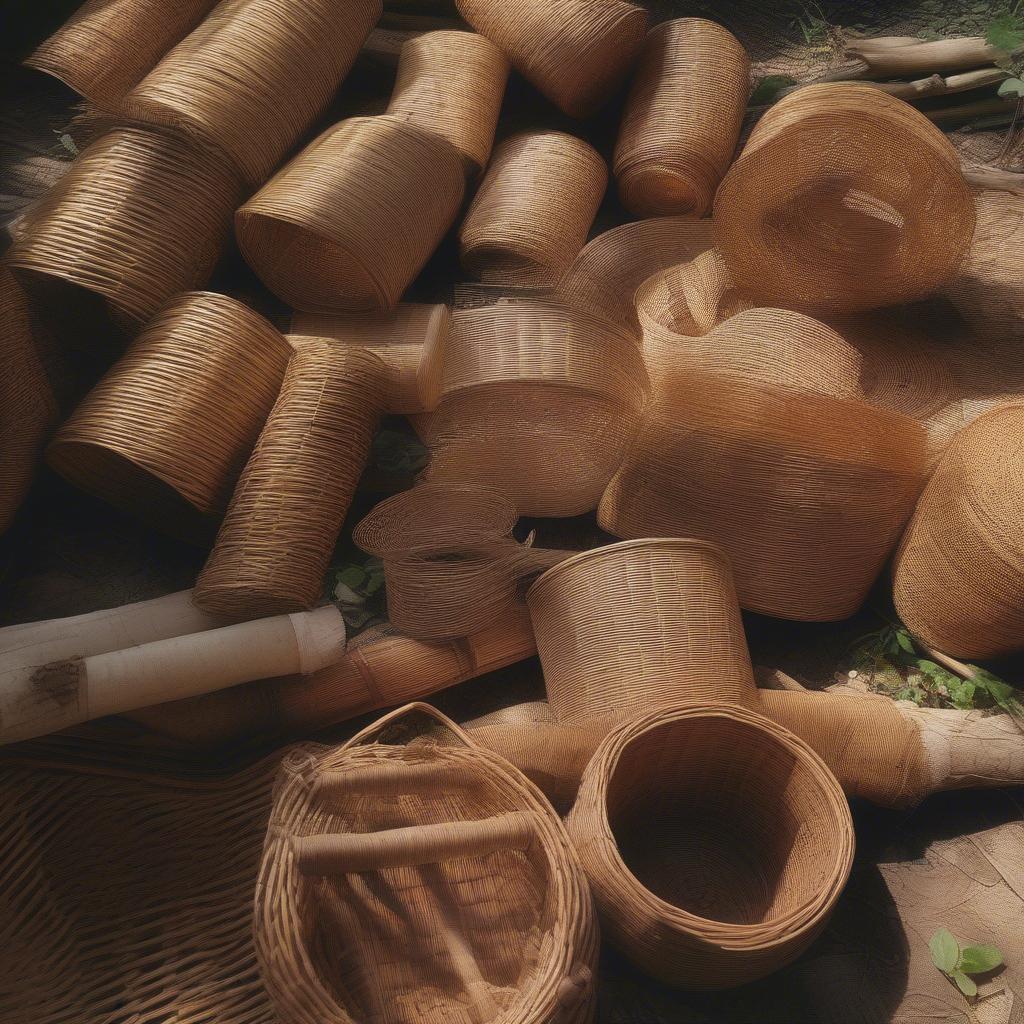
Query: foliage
{"x":813,"y":25}
{"x":768,"y":88}
{"x":396,"y":452}
{"x":1006,"y":33}
{"x":358,"y":589}
{"x":959,"y":963}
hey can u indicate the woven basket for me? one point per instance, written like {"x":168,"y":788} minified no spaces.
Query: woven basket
{"x":530,"y":217}
{"x":167,"y":431}
{"x":287,"y":510}
{"x":255,"y":75}
{"x":140,"y":217}
{"x":452,"y":84}
{"x":844,"y":198}
{"x":682,"y":118}
{"x":351,"y":220}
{"x":412,"y":838}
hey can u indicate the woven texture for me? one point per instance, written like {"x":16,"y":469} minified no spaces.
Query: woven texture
{"x":576,"y":52}
{"x":286,"y":513}
{"x":682,"y":118}
{"x":255,"y":75}
{"x":351,"y":220}
{"x":530,"y":217}
{"x":809,"y":219}
{"x":167,"y":431}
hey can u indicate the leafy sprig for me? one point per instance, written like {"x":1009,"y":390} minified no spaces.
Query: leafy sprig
{"x":958,"y":962}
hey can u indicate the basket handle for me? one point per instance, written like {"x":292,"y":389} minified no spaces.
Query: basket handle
{"x":388,"y":778}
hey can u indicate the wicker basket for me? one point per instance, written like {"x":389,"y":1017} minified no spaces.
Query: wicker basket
{"x":682,"y":119}
{"x":351,"y":220}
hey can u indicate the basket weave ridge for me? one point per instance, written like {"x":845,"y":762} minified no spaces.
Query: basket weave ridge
{"x":529,"y":219}
{"x":682,"y":119}
{"x":351,"y":220}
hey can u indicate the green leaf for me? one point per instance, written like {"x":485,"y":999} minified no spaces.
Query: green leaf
{"x":768,"y":88}
{"x":945,"y":950}
{"x":352,"y":577}
{"x":1006,"y":32}
{"x":904,"y":641}
{"x":980,"y":959}
{"x":961,"y":696}
{"x":965,"y":984}
{"x":1011,"y":87}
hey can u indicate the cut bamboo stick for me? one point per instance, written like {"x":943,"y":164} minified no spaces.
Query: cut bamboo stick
{"x":902,"y":56}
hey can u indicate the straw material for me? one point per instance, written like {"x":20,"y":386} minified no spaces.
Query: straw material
{"x":167,"y":431}
{"x":140,"y":217}
{"x":469,"y":874}
{"x":351,"y":220}
{"x":682,"y":118}
{"x":287,"y":510}
{"x":255,"y":75}
{"x":576,"y":52}
{"x":530,"y":217}
{"x":452,"y":84}
{"x":808,"y":219}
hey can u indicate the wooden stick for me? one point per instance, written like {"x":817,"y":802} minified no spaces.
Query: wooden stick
{"x":902,"y":57}
{"x":995,"y":178}
{"x":921,"y":88}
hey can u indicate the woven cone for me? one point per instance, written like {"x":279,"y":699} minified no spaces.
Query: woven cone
{"x":452,"y":84}
{"x":167,"y":431}
{"x":255,"y":75}
{"x":529,"y":219}
{"x":682,"y":118}
{"x":351,"y":220}
{"x":808,"y":219}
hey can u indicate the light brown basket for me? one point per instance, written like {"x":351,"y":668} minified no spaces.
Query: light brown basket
{"x":140,"y":217}
{"x":286,"y":513}
{"x":254,"y":76}
{"x":351,"y":220}
{"x":576,"y":52}
{"x":682,"y":119}
{"x":167,"y":431}
{"x":530,"y":217}
{"x":452,"y":84}
{"x":843,"y":198}
{"x":412,"y":869}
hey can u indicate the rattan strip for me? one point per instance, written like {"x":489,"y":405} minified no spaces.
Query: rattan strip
{"x":254,"y":76}
{"x":844,"y":198}
{"x":167,"y":431}
{"x":286,"y":513}
{"x":529,"y":219}
{"x":682,"y":119}
{"x":352,"y":219}
{"x":140,"y":217}
{"x":452,"y":84}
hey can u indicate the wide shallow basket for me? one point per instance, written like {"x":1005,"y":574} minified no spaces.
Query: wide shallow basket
{"x":529,"y":219}
{"x":843,"y":198}
{"x":716,"y":844}
{"x":167,"y":431}
{"x":255,"y":75}
{"x":682,"y":119}
{"x":576,"y":52}
{"x":412,"y":869}
{"x":351,"y":220}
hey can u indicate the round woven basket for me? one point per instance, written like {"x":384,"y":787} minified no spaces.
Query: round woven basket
{"x":459,"y":863}
{"x":167,"y":431}
{"x":254,"y":76}
{"x":529,"y":219}
{"x":682,"y":119}
{"x":351,"y":220}
{"x":843,"y":198}
{"x":452,"y":84}
{"x":140,"y":217}
{"x":576,"y":52}
{"x":716,"y":844}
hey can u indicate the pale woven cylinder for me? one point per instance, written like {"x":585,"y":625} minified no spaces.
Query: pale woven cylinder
{"x":286,"y":513}
{"x":452,"y":84}
{"x":682,"y":119}
{"x":843,"y":198}
{"x":167,"y":431}
{"x":352,"y":219}
{"x":255,"y":75}
{"x":529,"y":219}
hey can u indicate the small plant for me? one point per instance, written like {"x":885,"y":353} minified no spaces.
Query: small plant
{"x":768,"y":88}
{"x":358,"y":590}
{"x":1006,"y":33}
{"x":959,"y":963}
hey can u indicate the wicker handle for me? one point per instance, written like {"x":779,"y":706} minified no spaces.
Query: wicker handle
{"x":390,"y":778}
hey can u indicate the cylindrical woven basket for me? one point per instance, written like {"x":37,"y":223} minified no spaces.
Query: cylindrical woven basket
{"x":281,"y":527}
{"x":682,"y":118}
{"x":140,"y":217}
{"x":167,"y":431}
{"x":351,"y":220}
{"x":255,"y":75}
{"x":529,"y":219}
{"x":716,"y":844}
{"x":452,"y":84}
{"x":576,"y":52}
{"x":844,"y":198}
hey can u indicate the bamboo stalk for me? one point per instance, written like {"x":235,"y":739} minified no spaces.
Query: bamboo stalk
{"x":995,"y":178}
{"x":902,"y":56}
{"x":921,"y":88}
